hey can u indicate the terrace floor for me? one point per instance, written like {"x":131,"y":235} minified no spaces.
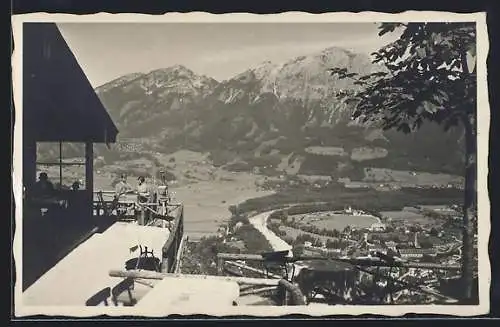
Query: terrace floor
{"x":84,"y":272}
{"x":48,"y":239}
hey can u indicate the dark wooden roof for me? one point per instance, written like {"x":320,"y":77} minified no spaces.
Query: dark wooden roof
{"x":59,"y":103}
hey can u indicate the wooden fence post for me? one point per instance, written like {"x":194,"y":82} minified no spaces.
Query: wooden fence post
{"x":142,"y":216}
{"x":220,"y":266}
{"x":165,"y":264}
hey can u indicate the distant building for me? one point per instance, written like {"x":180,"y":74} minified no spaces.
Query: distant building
{"x":391,"y":245}
{"x":372,"y":250}
{"x":377,"y":227}
{"x":415,"y":242}
{"x":416,"y":253}
{"x":238,"y":225}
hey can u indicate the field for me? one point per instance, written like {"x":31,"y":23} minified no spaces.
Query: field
{"x":293,"y":233}
{"x":338,"y":221}
{"x":326,"y":150}
{"x":368,"y":153}
{"x":409,"y":178}
{"x":206,"y":203}
{"x":407,"y":216}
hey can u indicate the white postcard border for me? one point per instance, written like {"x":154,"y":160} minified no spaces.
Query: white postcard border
{"x":288,"y":17}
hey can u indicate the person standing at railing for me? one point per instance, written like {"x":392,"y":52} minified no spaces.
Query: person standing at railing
{"x":145,"y":195}
{"x":143,"y":190}
{"x":122,"y":187}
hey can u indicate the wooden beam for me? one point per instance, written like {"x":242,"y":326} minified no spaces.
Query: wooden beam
{"x":259,"y":271}
{"x":89,"y":168}
{"x":60,"y":163}
{"x":240,"y":256}
{"x":258,"y":290}
{"x":146,"y":274}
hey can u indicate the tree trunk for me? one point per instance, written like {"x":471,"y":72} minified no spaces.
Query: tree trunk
{"x":469,"y":209}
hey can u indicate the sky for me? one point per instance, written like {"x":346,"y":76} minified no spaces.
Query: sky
{"x":107,"y":51}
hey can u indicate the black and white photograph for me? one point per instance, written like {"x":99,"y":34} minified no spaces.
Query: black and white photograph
{"x":251,"y":164}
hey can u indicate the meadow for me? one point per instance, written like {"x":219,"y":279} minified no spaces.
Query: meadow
{"x":338,"y":221}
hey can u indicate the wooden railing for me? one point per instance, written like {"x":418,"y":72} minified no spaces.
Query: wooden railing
{"x":173,"y":243}
{"x":287,"y":288}
{"x":353,"y":261}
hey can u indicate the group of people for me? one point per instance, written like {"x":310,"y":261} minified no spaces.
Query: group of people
{"x":144,"y":191}
{"x":43,"y":191}
{"x":44,"y":188}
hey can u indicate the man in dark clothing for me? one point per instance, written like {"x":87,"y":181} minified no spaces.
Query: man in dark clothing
{"x":43,"y":188}
{"x":44,"y":196}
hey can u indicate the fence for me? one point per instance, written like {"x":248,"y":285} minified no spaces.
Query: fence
{"x":288,"y":288}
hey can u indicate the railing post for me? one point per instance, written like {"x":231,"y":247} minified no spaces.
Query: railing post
{"x":142,"y":216}
{"x":281,"y":294}
{"x":220,"y":266}
{"x":165,"y":263}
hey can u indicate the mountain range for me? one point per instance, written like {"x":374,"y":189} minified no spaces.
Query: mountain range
{"x":270,"y":114}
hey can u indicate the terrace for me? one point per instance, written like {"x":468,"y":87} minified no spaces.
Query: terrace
{"x":59,"y":106}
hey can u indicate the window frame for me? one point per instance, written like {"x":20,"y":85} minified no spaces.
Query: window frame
{"x":60,"y":163}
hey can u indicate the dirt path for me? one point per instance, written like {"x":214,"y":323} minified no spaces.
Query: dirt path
{"x":260,"y":223}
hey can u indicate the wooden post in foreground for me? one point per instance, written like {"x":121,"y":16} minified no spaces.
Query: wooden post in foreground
{"x":220,"y":266}
{"x":296,"y":294}
{"x":142,"y":216}
{"x":146,"y":274}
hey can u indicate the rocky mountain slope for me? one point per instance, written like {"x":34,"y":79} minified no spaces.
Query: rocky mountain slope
{"x":270,"y":115}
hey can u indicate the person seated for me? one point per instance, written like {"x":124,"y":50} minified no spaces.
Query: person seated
{"x":44,"y":188}
{"x":122,"y":187}
{"x":75,"y":186}
{"x":43,"y":194}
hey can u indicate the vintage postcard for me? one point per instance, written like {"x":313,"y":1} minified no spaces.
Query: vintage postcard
{"x":243,"y":164}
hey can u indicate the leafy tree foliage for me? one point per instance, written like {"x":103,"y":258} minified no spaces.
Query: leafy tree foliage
{"x":427,"y":74}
